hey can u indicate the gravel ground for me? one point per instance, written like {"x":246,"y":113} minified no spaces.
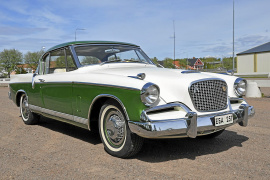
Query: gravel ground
{"x":55,"y":150}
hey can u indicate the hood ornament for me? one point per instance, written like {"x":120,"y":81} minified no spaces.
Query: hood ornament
{"x":140,"y":76}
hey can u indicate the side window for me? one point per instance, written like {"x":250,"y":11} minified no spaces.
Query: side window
{"x":56,"y":62}
{"x":70,"y":63}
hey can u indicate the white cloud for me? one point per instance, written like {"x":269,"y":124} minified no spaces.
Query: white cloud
{"x":202,"y":27}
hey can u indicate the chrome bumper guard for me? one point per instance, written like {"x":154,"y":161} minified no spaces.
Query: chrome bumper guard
{"x":190,"y":126}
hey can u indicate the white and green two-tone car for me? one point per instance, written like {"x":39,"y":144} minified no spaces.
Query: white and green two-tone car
{"x":115,"y":89}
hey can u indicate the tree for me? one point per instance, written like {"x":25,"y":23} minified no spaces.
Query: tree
{"x":155,"y":60}
{"x":228,"y":62}
{"x":9,"y":59}
{"x":87,"y":60}
{"x":32,"y":58}
{"x":168,"y":63}
{"x":20,"y":70}
{"x":182,"y":63}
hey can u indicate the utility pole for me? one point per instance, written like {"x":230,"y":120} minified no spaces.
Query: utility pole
{"x":233,"y":35}
{"x":173,"y":43}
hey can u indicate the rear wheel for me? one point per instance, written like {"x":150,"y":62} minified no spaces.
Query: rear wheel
{"x":115,"y":133}
{"x":27,"y":116}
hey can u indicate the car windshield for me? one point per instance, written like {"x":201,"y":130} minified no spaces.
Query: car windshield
{"x":102,"y":54}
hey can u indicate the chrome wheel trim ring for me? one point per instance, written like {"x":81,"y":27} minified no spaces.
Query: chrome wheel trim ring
{"x":25,"y":111}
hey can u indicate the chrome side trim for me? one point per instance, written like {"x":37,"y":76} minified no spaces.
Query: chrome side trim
{"x":105,"y":95}
{"x":88,"y":83}
{"x":42,"y":81}
{"x":59,"y":114}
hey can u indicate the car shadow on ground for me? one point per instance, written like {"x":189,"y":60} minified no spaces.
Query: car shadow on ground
{"x":159,"y":150}
{"x":70,"y":130}
{"x":172,"y":149}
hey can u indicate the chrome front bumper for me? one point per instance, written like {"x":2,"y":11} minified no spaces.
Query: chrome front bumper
{"x":190,"y":126}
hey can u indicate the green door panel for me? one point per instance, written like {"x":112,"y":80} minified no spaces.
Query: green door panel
{"x":34,"y":95}
{"x":57,"y":97}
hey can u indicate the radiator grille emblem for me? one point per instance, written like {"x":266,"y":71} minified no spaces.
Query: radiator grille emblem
{"x":196,"y":89}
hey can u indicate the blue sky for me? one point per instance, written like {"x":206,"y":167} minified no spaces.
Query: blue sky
{"x":203,"y":27}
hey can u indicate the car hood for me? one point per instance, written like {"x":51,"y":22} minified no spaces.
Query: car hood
{"x":173,"y":83}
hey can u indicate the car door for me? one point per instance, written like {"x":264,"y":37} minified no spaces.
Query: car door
{"x":35,"y":96}
{"x":56,"y":89}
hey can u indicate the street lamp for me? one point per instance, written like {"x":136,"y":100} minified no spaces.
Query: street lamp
{"x":78,"y":29}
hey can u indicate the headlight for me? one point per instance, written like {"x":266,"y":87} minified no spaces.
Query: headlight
{"x":240,"y":86}
{"x":150,"y":94}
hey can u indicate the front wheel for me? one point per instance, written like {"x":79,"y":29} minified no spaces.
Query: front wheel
{"x":115,"y":133}
{"x":28,"y":117}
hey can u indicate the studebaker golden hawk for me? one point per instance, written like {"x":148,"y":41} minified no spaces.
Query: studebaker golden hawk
{"x":115,"y":89}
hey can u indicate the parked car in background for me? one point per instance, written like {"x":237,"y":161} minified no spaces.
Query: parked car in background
{"x":115,"y":89}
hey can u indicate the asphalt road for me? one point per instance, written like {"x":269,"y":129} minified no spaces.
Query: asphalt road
{"x":55,"y":150}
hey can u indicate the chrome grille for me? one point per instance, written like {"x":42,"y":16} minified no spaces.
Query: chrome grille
{"x":209,"y":95}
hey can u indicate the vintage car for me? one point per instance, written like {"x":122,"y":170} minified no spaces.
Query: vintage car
{"x":115,"y":89}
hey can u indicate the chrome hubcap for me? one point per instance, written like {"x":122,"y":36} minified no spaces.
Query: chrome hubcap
{"x":115,"y":128}
{"x":25,"y":108}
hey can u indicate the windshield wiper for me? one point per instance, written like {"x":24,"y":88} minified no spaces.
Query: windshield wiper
{"x":115,"y":60}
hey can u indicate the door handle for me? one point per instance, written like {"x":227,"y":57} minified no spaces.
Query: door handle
{"x":41,"y":80}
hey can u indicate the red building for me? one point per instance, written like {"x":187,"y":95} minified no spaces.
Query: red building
{"x":195,"y":63}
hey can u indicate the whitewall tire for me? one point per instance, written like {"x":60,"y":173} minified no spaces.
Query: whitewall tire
{"x":28,"y":117}
{"x":115,"y":134}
